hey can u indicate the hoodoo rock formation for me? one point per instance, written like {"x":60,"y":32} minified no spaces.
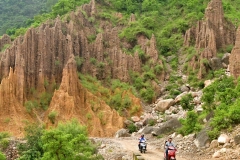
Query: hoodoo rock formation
{"x":43,"y":58}
{"x":234,"y":58}
{"x":210,"y":35}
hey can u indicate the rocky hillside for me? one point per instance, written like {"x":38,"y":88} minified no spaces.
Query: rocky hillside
{"x":210,"y":35}
{"x":44,"y":65}
{"x":44,"y":58}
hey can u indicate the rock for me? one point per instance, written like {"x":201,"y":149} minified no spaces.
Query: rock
{"x":199,"y":109}
{"x":148,"y":118}
{"x":216,"y":155}
{"x":207,"y":83}
{"x":122,"y":133}
{"x":179,"y":97}
{"x":173,"y":109}
{"x":139,"y":124}
{"x":237,"y":139}
{"x":168,"y":127}
{"x":185,"y":88}
{"x":148,"y":129}
{"x":202,"y":138}
{"x":135,"y":119}
{"x":227,"y":145}
{"x":103,"y":146}
{"x":225,"y":58}
{"x":215,"y":63}
{"x":127,"y":123}
{"x":214,"y":144}
{"x":223,"y":138}
{"x":163,"y":105}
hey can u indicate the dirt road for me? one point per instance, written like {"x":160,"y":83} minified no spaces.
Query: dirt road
{"x":152,"y":153}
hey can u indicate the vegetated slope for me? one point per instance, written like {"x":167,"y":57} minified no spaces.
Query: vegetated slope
{"x":15,"y":13}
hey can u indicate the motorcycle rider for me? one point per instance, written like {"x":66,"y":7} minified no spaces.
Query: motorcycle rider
{"x":141,"y":139}
{"x":168,"y":144}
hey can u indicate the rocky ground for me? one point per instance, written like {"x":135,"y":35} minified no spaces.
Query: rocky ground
{"x":165,"y":113}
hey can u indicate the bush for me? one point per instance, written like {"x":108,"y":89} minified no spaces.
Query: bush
{"x":190,"y":124}
{"x":2,"y":156}
{"x":147,"y":94}
{"x":52,"y":116}
{"x":3,"y":141}
{"x":32,"y":149}
{"x":152,"y":122}
{"x":132,"y":128}
{"x":70,"y":142}
{"x":30,"y":105}
{"x":186,"y":102}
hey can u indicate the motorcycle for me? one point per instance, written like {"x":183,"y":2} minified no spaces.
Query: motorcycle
{"x":171,"y":153}
{"x":143,"y":146}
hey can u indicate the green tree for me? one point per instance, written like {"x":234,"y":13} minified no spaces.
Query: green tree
{"x":68,"y":142}
{"x":33,"y":148}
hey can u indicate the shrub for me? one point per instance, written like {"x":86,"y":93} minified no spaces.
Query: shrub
{"x":134,"y":110}
{"x":214,"y":133}
{"x":3,"y":141}
{"x":32,"y":149}
{"x":147,"y":94}
{"x":45,"y":99}
{"x":186,"y":102}
{"x":93,"y":61}
{"x":30,"y":105}
{"x":152,"y":122}
{"x":5,"y":47}
{"x":91,"y":38}
{"x":190,"y":124}
{"x":52,"y":116}
{"x":70,"y":142}
{"x":79,"y":61}
{"x":2,"y":156}
{"x":132,"y":128}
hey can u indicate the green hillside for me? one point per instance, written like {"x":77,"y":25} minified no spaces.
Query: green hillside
{"x":16,"y":13}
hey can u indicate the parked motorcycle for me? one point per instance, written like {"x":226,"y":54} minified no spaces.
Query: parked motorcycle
{"x":143,"y":146}
{"x":171,"y":153}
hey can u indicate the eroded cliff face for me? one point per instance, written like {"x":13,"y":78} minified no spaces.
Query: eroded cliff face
{"x":210,"y":35}
{"x":234,"y":58}
{"x":45,"y":57}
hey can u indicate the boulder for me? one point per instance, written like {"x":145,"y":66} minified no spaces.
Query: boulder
{"x":225,"y":58}
{"x":149,"y":117}
{"x":122,"y":133}
{"x":237,"y":139}
{"x":185,"y":88}
{"x":135,"y":119}
{"x":214,"y":144}
{"x":199,"y":109}
{"x":163,"y":105}
{"x":167,"y":127}
{"x":127,"y":123}
{"x":139,"y":124}
{"x":207,"y":83}
{"x":179,"y":97}
{"x":216,"y":155}
{"x":215,"y":63}
{"x":148,"y":129}
{"x":202,"y":138}
{"x":223,"y":138}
